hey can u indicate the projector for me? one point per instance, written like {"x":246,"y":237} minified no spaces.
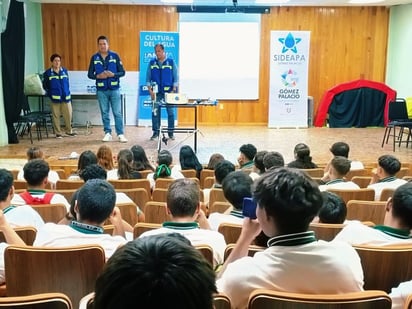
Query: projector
{"x":176,"y":98}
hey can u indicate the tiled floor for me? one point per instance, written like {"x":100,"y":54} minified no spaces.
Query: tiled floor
{"x":365,"y":142}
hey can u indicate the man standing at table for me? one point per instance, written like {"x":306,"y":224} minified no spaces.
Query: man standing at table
{"x":107,"y":68}
{"x":56,"y":84}
{"x":161,"y":78}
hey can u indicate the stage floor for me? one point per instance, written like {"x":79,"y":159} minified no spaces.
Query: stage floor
{"x":365,"y":143}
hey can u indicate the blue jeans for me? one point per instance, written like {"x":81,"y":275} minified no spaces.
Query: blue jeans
{"x":156,"y":118}
{"x":107,"y":99}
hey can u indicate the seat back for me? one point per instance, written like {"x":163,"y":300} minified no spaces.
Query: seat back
{"x":159,"y":195}
{"x":314,"y":172}
{"x":155,"y":212}
{"x":325,"y":231}
{"x":230,"y":232}
{"x":26,"y":233}
{"x":373,"y":211}
{"x":353,"y":173}
{"x":142,"y":227}
{"x":129,"y":212}
{"x":191,"y":173}
{"x":131,"y":183}
{"x":385,"y":267}
{"x":268,"y":299}
{"x":138,"y":195}
{"x":219,"y":206}
{"x":67,"y":193}
{"x":361,"y":181}
{"x":37,"y":301}
{"x":163,"y":183}
{"x":51,"y":212}
{"x":20,"y":184}
{"x":216,"y":195}
{"x":221,"y":301}
{"x":404,"y":171}
{"x":65,"y":184}
{"x":386,"y":194}
{"x":203,"y":174}
{"x":207,"y":252}
{"x":397,"y":110}
{"x":251,"y":251}
{"x":208,"y":182}
{"x":71,"y":270}
{"x":365,"y":194}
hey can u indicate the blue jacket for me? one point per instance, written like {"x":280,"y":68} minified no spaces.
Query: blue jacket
{"x":162,"y":74}
{"x":111,"y":63}
{"x":57,"y":85}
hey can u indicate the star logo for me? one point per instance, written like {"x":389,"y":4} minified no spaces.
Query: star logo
{"x":289,"y":43}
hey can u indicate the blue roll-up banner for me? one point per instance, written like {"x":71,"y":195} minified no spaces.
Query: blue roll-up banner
{"x":148,"y":40}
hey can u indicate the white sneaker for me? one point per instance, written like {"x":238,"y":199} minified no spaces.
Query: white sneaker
{"x":122,"y":139}
{"x":107,"y":138}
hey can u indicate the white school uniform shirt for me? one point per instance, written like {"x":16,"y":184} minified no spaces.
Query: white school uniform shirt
{"x":389,"y":182}
{"x":339,"y":184}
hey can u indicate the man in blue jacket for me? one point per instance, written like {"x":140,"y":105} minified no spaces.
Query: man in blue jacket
{"x":161,"y":78}
{"x":107,"y":68}
{"x":56,"y":84}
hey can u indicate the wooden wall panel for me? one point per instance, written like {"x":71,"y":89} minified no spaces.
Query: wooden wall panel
{"x":347,"y":43}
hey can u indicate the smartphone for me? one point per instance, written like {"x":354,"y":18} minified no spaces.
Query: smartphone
{"x":249,"y":208}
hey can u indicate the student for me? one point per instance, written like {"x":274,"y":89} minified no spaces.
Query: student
{"x":163,"y":169}
{"x":236,"y":186}
{"x":384,"y":176}
{"x":303,"y":160}
{"x":342,"y":149}
{"x":105,"y":159}
{"x":396,"y":224}
{"x":140,"y":161}
{"x":125,"y":169}
{"x":333,"y":210}
{"x":258,"y":167}
{"x":247,"y":153}
{"x":222,"y":169}
{"x":23,"y":215}
{"x":160,"y":271}
{"x":183,"y":205}
{"x":95,"y":204}
{"x":188,"y":160}
{"x":86,"y":158}
{"x":338,"y":168}
{"x":288,"y":200}
{"x":11,"y":239}
{"x":273,"y":159}
{"x":36,"y":174}
{"x":36,"y":153}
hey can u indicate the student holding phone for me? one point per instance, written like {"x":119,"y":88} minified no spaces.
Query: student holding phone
{"x":287,"y":201}
{"x":237,"y":186}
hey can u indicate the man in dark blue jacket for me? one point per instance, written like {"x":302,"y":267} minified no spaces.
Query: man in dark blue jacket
{"x":107,"y":68}
{"x":161,"y":78}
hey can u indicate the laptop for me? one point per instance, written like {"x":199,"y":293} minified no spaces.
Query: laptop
{"x":176,"y":98}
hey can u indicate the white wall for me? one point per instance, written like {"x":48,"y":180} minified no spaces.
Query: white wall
{"x":399,"y":64}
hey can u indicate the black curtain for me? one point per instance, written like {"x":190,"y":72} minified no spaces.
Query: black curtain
{"x":12,"y":53}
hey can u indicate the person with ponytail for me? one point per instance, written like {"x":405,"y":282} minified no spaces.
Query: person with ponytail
{"x":163,"y":169}
{"x":125,"y":169}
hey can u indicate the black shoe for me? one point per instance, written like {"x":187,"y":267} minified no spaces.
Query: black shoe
{"x":71,"y":134}
{"x":59,"y":136}
{"x":154,"y":137}
{"x":172,"y":137}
